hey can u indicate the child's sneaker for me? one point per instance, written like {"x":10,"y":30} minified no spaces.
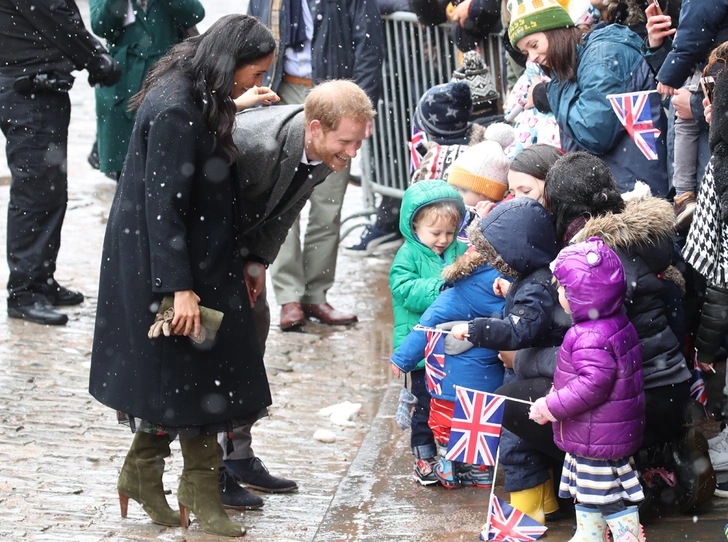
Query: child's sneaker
{"x":445,"y":472}
{"x":424,"y":472}
{"x":475,"y":475}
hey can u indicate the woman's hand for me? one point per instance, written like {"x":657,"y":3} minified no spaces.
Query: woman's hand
{"x":507,"y":357}
{"x":254,"y":274}
{"x":460,"y":13}
{"x":658,"y":27}
{"x":707,"y":110}
{"x":186,"y":313}
{"x":529,"y":99}
{"x":460,"y":332}
{"x":254,"y":96}
{"x":681,"y":103}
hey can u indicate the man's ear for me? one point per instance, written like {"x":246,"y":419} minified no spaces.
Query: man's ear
{"x":316,"y":128}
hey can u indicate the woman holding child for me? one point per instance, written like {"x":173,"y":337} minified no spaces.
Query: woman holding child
{"x":584,"y":69}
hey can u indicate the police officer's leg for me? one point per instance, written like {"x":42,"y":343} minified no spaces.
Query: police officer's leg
{"x":36,"y":128}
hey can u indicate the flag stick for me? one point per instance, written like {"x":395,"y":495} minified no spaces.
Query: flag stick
{"x":418,"y":327}
{"x":492,"y":493}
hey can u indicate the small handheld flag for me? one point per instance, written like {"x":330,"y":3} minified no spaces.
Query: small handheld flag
{"x":634,"y":112}
{"x":419,"y":138}
{"x":476,"y":427}
{"x":434,"y":361}
{"x":697,"y":389}
{"x":508,"y":524}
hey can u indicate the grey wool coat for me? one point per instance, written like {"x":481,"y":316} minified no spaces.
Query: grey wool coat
{"x":174,"y":225}
{"x":270,"y":141}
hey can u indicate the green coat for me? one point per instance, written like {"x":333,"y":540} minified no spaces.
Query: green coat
{"x":136,"y":47}
{"x":415,"y":274}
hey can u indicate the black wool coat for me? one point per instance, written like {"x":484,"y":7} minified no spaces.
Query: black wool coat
{"x":172,"y":227}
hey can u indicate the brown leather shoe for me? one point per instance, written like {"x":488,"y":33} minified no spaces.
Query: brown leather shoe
{"x":326,"y":314}
{"x":291,"y":316}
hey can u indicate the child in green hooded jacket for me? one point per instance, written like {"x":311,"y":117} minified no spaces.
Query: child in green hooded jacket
{"x":429,"y":220}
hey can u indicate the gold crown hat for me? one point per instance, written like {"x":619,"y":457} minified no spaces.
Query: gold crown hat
{"x":531,"y":16}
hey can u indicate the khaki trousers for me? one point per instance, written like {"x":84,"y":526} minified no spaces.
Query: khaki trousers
{"x":305,"y":268}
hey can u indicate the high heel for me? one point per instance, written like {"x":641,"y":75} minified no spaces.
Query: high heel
{"x":123,"y":503}
{"x":141,"y":478}
{"x":184,"y":515}
{"x":199,"y":490}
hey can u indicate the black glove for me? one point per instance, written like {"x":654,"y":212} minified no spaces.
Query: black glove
{"x":103,"y":70}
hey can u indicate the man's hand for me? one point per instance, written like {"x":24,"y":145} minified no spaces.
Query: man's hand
{"x":681,"y":103}
{"x":460,"y":14}
{"x":460,"y":331}
{"x":186,"y":313}
{"x":254,"y":96}
{"x":254,"y":274}
{"x":658,"y":27}
{"x":103,"y":71}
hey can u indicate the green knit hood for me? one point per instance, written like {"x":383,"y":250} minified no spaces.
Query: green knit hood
{"x":420,"y":195}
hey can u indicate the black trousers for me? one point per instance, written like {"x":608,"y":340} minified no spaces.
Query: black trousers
{"x":388,"y":214}
{"x":36,"y":129}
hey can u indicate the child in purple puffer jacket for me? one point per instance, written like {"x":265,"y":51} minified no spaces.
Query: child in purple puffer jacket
{"x":597,"y":403}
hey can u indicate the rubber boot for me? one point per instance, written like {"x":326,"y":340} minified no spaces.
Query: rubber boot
{"x":625,"y":526}
{"x":199,"y":491}
{"x":530,"y":502}
{"x":550,"y":501}
{"x":141,"y":478}
{"x":590,"y":525}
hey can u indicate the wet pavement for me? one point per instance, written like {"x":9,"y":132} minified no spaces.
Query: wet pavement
{"x":61,"y":451}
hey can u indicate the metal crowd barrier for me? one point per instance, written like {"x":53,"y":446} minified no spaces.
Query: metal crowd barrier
{"x":416,"y":57}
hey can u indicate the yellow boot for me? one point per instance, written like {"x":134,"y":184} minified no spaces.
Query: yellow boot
{"x":530,"y":502}
{"x":550,"y":502}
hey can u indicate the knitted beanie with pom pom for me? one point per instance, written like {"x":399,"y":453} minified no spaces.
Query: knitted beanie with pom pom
{"x":483,"y":168}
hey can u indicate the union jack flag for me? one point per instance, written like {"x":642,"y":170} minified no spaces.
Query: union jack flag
{"x":476,"y":427}
{"x":418,"y":138}
{"x":508,"y":524}
{"x":634,"y":112}
{"x":697,"y":388}
{"x":434,"y":361}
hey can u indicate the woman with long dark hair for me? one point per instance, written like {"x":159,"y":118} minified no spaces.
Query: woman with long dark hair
{"x":585,"y":69}
{"x":172,"y":233}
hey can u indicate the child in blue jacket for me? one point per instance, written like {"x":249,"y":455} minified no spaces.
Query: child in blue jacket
{"x":470,"y":296}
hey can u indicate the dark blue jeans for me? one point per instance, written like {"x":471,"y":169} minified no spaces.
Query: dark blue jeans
{"x":421,"y":439}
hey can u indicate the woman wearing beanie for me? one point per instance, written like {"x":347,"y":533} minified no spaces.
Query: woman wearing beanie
{"x":640,"y":231}
{"x":584,"y":69}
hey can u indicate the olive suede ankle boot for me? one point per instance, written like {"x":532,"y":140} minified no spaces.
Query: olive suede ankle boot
{"x":199,"y":491}
{"x":141,"y":478}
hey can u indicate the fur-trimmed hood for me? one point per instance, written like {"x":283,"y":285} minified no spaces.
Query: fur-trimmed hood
{"x":642,"y":222}
{"x":463,"y":266}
